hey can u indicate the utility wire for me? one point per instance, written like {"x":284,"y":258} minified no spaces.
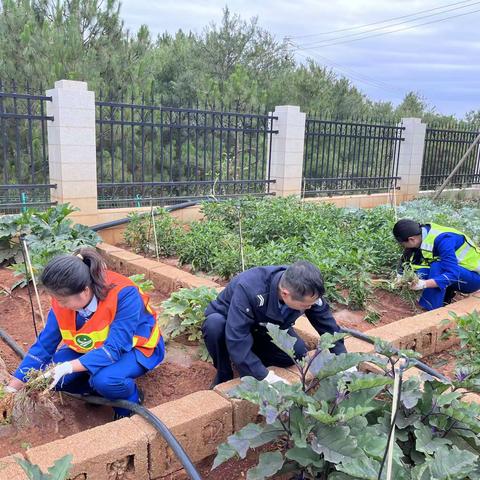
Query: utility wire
{"x":356,"y":75}
{"x":390,"y":26}
{"x":353,"y":74}
{"x":386,"y":33}
{"x":382,"y":21}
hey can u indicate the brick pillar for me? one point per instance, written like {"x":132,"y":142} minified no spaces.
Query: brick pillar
{"x":287,"y":151}
{"x":72,"y":148}
{"x":411,"y":158}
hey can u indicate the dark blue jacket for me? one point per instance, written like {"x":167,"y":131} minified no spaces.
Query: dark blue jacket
{"x":250,"y":300}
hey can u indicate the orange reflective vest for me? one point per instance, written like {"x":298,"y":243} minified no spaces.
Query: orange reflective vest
{"x":94,"y":332}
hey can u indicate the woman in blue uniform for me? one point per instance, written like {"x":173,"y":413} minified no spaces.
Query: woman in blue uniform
{"x":109,"y":332}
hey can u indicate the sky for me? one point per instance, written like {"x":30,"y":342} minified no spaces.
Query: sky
{"x":433,"y":49}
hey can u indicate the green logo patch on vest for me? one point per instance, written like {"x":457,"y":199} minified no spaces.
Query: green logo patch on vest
{"x":84,"y":341}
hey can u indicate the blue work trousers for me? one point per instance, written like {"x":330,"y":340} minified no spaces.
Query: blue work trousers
{"x":432,"y":298}
{"x":114,"y":382}
{"x":214,"y":335}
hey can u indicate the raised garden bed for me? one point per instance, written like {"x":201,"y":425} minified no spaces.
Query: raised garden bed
{"x":201,"y":421}
{"x":180,"y":374}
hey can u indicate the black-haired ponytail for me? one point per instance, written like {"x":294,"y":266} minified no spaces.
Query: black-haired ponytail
{"x":68,"y":275}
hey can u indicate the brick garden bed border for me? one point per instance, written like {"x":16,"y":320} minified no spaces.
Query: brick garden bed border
{"x":202,"y":420}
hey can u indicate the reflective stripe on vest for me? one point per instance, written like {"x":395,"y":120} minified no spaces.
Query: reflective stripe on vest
{"x":468,"y":254}
{"x":94,"y":332}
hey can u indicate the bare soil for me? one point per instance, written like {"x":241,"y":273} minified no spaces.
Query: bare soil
{"x":180,"y":374}
{"x":445,"y":362}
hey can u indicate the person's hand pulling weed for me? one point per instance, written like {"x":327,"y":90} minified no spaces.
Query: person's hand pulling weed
{"x":57,"y":372}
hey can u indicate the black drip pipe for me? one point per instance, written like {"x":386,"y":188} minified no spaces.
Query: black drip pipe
{"x":161,"y":428}
{"x":122,"y":221}
{"x":12,"y":343}
{"x":153,"y":420}
{"x":420,"y":365}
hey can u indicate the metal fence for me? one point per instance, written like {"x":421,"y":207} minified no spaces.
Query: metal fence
{"x":156,"y":155}
{"x":342,"y":157}
{"x":444,"y":147}
{"x":23,"y":149}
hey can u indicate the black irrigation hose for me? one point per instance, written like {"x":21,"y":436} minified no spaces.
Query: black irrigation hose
{"x":134,"y":407}
{"x":122,"y":221}
{"x":153,"y":420}
{"x":420,"y":365}
{"x":12,"y":343}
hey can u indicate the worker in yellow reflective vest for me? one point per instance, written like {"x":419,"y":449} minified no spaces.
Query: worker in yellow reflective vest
{"x":110,"y":333}
{"x":445,"y":260}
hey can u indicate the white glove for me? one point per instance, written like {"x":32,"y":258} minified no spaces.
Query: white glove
{"x":351,"y":370}
{"x":9,"y":389}
{"x":57,"y":373}
{"x":419,"y":285}
{"x":272,"y":378}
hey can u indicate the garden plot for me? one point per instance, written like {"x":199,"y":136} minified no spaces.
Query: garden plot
{"x":354,"y":249}
{"x":181,"y":373}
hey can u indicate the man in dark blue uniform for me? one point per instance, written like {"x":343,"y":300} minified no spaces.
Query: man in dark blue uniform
{"x":234,"y":328}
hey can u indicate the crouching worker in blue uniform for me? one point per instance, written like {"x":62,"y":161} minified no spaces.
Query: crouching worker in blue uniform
{"x":445,"y":260}
{"x":234,"y":328}
{"x":110,"y":333}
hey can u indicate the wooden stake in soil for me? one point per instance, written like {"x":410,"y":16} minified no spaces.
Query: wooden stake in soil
{"x":30,"y":268}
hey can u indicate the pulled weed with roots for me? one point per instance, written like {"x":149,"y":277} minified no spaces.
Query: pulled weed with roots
{"x":34,"y":401}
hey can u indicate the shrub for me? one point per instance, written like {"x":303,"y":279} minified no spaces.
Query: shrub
{"x":139,"y":233}
{"x":197,"y":247}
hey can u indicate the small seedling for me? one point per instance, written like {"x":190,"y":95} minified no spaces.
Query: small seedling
{"x":144,"y":285}
{"x":372,"y":315}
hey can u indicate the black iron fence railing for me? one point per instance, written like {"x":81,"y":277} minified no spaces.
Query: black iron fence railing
{"x":24,"y":174}
{"x":444,"y":147}
{"x":342,"y":157}
{"x":151,"y":154}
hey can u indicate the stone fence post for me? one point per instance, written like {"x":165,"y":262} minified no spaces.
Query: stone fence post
{"x":286,"y":166}
{"x":411,"y":158}
{"x":72,"y":148}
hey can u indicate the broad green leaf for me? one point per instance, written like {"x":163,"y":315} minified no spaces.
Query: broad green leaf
{"x":305,"y":457}
{"x":61,"y":468}
{"x":33,"y":471}
{"x":447,"y":398}
{"x":411,"y":393}
{"x":369,"y":381}
{"x":451,"y":464}
{"x":269,"y":464}
{"x":426,"y":442}
{"x":224,"y":452}
{"x":360,"y":468}
{"x":335,"y":444}
{"x":327,"y":340}
{"x":282,"y":339}
{"x":240,"y":441}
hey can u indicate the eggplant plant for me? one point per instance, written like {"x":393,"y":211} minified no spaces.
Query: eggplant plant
{"x":334,"y":423}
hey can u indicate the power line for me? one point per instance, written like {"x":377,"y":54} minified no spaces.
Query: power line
{"x":379,"y":22}
{"x":385,"y":33}
{"x":347,"y":72}
{"x":320,"y":42}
